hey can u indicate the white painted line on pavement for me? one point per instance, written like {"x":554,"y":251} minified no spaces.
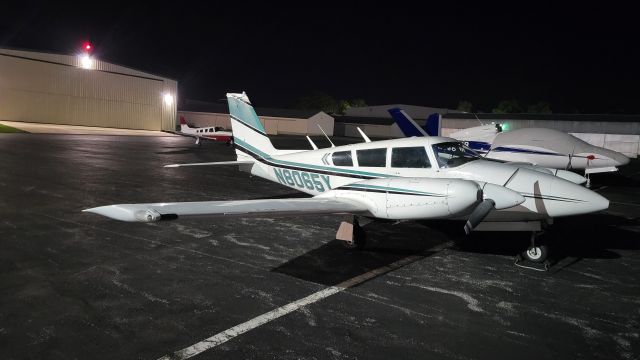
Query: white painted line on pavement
{"x":257,"y":321}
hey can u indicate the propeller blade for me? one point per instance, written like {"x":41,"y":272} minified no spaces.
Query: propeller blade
{"x":479,"y":213}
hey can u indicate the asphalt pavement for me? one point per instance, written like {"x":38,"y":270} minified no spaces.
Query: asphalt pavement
{"x":75,"y":285}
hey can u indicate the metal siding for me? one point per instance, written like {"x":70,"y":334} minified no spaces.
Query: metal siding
{"x":34,"y":91}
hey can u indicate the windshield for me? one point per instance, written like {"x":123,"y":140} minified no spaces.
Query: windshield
{"x":452,"y":154}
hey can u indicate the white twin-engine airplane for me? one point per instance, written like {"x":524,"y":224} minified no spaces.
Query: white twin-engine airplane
{"x":400,"y":179}
{"x":537,"y":146}
{"x":214,"y":133}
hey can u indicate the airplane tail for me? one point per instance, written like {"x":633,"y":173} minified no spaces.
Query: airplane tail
{"x":406,"y":124}
{"x":433,"y":125}
{"x":249,"y":135}
{"x":183,"y":124}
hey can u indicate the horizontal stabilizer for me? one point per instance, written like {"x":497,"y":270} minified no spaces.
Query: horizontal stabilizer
{"x":235,"y":208}
{"x":237,"y":162}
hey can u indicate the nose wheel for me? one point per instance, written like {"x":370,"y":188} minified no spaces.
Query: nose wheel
{"x":536,"y":253}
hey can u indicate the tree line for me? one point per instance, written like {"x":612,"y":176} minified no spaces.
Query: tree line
{"x":328,"y":104}
{"x":334,"y":106}
{"x":509,"y":107}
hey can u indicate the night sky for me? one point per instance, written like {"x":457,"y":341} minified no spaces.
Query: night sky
{"x":579,"y":58}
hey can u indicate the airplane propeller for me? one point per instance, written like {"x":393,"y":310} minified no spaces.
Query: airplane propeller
{"x":495,"y":197}
{"x":479,"y":213}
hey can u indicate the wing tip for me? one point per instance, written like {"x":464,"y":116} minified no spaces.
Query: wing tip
{"x":116,"y":212}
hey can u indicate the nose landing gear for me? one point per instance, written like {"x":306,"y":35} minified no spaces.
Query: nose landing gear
{"x":537,"y":253}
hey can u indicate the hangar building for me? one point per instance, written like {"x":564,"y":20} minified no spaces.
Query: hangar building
{"x":276,"y":121}
{"x":79,"y":90}
{"x":616,"y":132}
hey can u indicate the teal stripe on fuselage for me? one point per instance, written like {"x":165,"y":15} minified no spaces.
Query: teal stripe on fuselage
{"x":386,"y":188}
{"x":308,"y":166}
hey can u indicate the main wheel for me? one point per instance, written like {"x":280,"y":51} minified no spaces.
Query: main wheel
{"x":536,"y":254}
{"x":359,"y":239}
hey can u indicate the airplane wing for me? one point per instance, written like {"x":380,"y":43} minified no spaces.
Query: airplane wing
{"x":235,"y":208}
{"x":205,"y":136}
{"x":236,"y":162}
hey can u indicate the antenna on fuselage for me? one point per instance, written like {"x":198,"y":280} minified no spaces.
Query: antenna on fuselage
{"x":364,"y":136}
{"x":312,"y":144}
{"x":325,"y":135}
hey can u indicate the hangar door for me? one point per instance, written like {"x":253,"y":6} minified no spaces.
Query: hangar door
{"x":48,"y":88}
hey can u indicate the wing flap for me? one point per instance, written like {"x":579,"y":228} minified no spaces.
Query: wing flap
{"x":237,"y":208}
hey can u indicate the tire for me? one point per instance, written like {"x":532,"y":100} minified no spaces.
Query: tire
{"x":359,"y":239}
{"x":537,"y":254}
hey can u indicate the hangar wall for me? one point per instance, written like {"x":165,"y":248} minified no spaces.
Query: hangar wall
{"x":56,"y":89}
{"x":274,"y":125}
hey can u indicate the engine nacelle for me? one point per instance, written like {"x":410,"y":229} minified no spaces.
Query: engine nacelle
{"x":412,"y":198}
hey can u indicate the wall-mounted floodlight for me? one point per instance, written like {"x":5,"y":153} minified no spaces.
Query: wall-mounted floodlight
{"x":168,"y":99}
{"x":86,"y":62}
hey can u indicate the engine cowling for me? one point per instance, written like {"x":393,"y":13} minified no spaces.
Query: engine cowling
{"x":413,"y":198}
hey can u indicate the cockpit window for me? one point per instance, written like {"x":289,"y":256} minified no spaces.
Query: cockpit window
{"x":372,"y":157}
{"x":410,"y":157}
{"x":342,"y":158}
{"x":452,"y":154}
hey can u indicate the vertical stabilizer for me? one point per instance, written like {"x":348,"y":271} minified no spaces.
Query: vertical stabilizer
{"x":249,"y":134}
{"x":406,"y":124}
{"x":433,"y":124}
{"x":183,"y":124}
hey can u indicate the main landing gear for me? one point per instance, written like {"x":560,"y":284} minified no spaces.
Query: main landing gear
{"x":351,"y":233}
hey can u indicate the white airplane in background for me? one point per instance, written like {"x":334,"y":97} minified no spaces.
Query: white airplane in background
{"x":400,"y":179}
{"x":214,"y":133}
{"x":543,"y":147}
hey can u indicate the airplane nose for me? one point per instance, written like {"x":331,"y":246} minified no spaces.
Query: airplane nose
{"x":572,"y":199}
{"x":618,"y":158}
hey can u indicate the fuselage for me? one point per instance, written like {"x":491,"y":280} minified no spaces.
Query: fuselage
{"x":212,"y":133}
{"x":351,"y":168}
{"x":543,"y":147}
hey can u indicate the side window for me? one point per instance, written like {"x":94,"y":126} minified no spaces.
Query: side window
{"x":342,"y":158}
{"x":372,"y":157}
{"x":410,"y":157}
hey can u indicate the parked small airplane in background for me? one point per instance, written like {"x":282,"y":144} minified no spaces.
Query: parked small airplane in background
{"x":398,"y":179}
{"x":214,"y":133}
{"x":537,"y":146}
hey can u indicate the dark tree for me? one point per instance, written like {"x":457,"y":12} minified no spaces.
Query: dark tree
{"x":465,"y":106}
{"x":508,"y":107}
{"x":540,"y":108}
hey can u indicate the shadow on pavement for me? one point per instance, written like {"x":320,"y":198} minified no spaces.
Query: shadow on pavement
{"x":594,"y":236}
{"x":332,"y":263}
